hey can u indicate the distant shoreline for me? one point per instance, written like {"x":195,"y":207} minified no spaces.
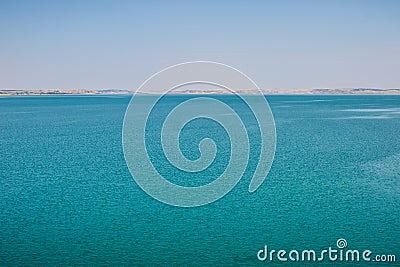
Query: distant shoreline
{"x":338,"y":91}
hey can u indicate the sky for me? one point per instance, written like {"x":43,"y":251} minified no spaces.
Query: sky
{"x":119,"y":44}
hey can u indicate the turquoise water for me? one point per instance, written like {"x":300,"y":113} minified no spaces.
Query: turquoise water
{"x":67,"y":197}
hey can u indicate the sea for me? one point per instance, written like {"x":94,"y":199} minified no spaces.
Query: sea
{"x":67,"y":197}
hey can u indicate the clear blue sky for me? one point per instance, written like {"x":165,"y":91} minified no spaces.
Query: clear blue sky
{"x":279,"y":44}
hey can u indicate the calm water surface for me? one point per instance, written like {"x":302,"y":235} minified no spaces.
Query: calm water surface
{"x":67,"y":197}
